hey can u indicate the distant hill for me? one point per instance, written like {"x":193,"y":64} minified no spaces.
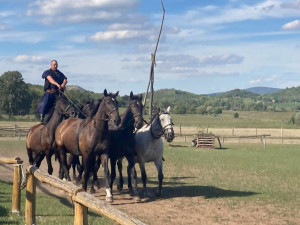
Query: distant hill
{"x":74,"y":87}
{"x":256,"y":90}
{"x":239,"y":93}
{"x":263,"y":90}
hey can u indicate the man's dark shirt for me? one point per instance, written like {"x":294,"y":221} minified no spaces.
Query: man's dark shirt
{"x":56,"y":75}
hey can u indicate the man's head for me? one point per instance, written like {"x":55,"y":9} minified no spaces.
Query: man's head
{"x":54,"y":65}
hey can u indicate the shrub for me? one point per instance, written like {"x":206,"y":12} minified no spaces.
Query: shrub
{"x":236,"y":115}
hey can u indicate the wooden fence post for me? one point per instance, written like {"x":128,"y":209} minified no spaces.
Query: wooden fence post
{"x":30,"y":200}
{"x":16,"y":130}
{"x":16,"y":192}
{"x":80,"y":211}
{"x":180,"y":129}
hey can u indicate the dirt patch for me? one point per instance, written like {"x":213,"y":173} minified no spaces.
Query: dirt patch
{"x":178,"y":205}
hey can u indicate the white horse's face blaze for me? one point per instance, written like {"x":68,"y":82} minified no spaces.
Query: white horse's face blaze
{"x":167,"y":126}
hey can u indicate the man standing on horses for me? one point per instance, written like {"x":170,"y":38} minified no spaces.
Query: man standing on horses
{"x":55,"y":81}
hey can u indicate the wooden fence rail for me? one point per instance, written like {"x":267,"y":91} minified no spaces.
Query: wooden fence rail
{"x":82,"y":200}
{"x":17,"y":178}
{"x":13,"y":131}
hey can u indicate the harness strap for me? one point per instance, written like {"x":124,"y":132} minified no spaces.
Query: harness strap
{"x":76,"y":149}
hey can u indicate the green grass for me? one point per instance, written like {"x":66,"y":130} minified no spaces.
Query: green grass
{"x":247,"y":119}
{"x":238,"y":173}
{"x":49,"y":209}
{"x":237,"y":176}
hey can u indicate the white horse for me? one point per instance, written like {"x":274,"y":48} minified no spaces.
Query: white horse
{"x":149,"y":144}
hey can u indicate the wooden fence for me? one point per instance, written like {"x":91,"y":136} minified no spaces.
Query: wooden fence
{"x":13,"y":131}
{"x":82,"y":200}
{"x":17,"y":178}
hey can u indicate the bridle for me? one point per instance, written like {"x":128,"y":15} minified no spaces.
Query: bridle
{"x":65,"y":111}
{"x":162,"y":128}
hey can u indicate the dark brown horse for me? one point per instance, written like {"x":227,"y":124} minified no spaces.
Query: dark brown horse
{"x":89,"y":138}
{"x":123,"y":142}
{"x":40,"y":138}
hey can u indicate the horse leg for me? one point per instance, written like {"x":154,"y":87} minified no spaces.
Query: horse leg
{"x":113,"y":172}
{"x":64,"y":172}
{"x":121,"y":180}
{"x":97,"y":166}
{"x":50,"y":168}
{"x":131,"y":172}
{"x":39,"y":159}
{"x":93,"y":161}
{"x":86,"y":159}
{"x":158,"y":165}
{"x":30,"y":157}
{"x":144,"y":178}
{"x":72,"y":162}
{"x":104,"y":162}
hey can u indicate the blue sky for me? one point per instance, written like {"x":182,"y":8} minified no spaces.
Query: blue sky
{"x":206,"y":46}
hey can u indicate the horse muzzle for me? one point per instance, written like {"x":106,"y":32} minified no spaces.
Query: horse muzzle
{"x":169,"y":134}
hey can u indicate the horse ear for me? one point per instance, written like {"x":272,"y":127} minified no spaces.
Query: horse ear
{"x":168,"y":109}
{"x":105,"y":93}
{"x":117,"y":93}
{"x":131,"y":95}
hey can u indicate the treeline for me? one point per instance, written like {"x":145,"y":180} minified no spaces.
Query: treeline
{"x":239,"y":100}
{"x":20,"y":98}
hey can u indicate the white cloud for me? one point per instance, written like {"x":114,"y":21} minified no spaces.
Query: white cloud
{"x":79,"y":11}
{"x":28,"y":59}
{"x":272,"y":78}
{"x":118,"y":31}
{"x":3,"y":26}
{"x":255,"y":81}
{"x":221,"y":59}
{"x":214,"y":15}
{"x":294,"y":25}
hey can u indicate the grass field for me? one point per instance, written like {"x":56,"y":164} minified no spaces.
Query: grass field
{"x":240,"y":184}
{"x":50,"y":210}
{"x":247,"y":119}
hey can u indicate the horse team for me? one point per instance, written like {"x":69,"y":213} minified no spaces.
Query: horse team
{"x":100,"y":135}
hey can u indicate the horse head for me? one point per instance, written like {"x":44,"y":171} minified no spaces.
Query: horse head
{"x":88,"y":109}
{"x":111,"y":108}
{"x":136,"y":107}
{"x":166,"y":124}
{"x":64,"y":107}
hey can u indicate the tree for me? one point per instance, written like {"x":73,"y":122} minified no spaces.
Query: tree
{"x":236,"y":115}
{"x":14,"y":94}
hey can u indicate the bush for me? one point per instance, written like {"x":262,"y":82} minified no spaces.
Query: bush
{"x":236,"y":115}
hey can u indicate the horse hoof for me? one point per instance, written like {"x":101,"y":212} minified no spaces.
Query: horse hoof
{"x":92,"y":191}
{"x":109,"y":199}
{"x":119,"y":187}
{"x":98,"y":185}
{"x":137,"y":198}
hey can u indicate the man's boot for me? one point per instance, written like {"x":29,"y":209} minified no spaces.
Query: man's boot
{"x":42,"y":118}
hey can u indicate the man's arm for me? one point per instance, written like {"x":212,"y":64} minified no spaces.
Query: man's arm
{"x":52,"y":81}
{"x":64,"y":83}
